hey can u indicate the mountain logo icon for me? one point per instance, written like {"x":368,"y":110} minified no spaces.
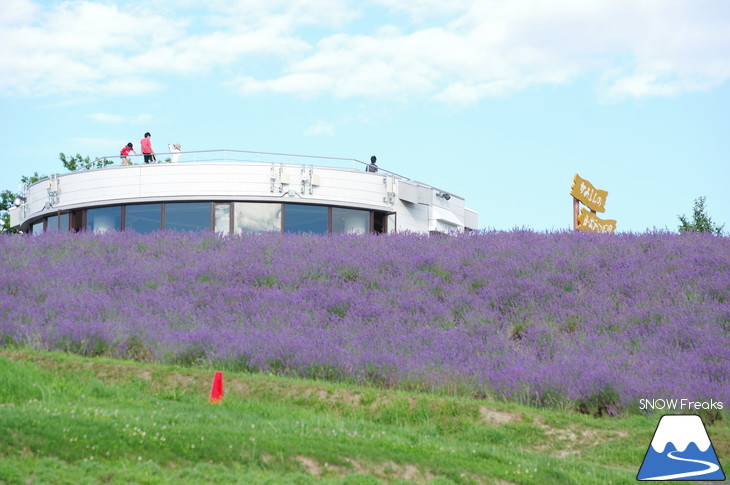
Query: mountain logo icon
{"x":681,"y":450}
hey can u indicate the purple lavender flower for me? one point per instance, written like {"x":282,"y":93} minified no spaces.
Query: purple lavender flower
{"x":544,"y":318}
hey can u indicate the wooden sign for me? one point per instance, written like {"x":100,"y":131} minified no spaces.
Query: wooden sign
{"x":588,"y":221}
{"x":585,"y":192}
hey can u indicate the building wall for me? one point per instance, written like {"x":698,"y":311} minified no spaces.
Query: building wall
{"x":418,"y":207}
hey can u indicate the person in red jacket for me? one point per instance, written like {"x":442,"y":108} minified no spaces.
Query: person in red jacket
{"x":125,"y":152}
{"x":147,"y":151}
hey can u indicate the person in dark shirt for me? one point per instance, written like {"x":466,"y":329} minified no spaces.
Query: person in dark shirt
{"x":372,"y":167}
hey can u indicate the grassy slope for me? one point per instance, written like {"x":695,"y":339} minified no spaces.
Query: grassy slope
{"x":67,"y":419}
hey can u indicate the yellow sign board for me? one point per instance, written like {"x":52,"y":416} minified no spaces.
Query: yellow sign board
{"x":585,"y":192}
{"x":588,"y":221}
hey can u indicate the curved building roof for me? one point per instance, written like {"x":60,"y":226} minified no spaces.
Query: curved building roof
{"x":226,"y":177}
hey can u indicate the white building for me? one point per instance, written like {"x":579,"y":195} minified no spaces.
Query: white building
{"x":237,"y":191}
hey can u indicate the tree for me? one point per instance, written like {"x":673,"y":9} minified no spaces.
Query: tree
{"x":77,"y":162}
{"x":28,"y":180}
{"x":701,"y":222}
{"x":7,"y":199}
{"x":71,"y":163}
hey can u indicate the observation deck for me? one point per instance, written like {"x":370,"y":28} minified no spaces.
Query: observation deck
{"x":233,"y":191}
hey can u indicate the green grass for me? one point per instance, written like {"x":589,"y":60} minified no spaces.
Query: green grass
{"x":67,"y":419}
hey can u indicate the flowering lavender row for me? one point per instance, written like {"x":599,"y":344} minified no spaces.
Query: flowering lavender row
{"x":591,"y":320}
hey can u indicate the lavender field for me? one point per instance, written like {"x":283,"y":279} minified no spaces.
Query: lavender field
{"x":593,"y":322}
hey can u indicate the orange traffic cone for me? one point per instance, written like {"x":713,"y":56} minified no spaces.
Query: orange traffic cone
{"x":216,"y":392}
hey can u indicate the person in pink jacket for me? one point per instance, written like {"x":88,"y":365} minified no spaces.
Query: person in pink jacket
{"x":147,"y":151}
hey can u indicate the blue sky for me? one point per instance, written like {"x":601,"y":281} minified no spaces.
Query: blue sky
{"x":498,"y":101}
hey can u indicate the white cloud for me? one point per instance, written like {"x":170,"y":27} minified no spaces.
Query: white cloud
{"x":74,"y":47}
{"x":422,"y":10}
{"x":201,"y":53}
{"x":320,"y":128}
{"x":17,"y":11}
{"x":119,"y":118}
{"x":84,"y":47}
{"x":292,"y":13}
{"x":497,"y":47}
{"x":456,"y":52}
{"x":465,"y":94}
{"x":303,"y":84}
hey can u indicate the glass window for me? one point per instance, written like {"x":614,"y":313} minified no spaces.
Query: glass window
{"x":305,"y":218}
{"x":104,"y":219}
{"x":143,"y":218}
{"x":187,"y":216}
{"x":37,"y":228}
{"x":222,"y":218}
{"x":52,"y":224}
{"x":350,"y":221}
{"x":256,"y":217}
{"x":77,"y":220}
{"x":65,"y":221}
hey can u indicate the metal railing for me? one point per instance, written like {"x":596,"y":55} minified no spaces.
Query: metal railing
{"x":246,"y":156}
